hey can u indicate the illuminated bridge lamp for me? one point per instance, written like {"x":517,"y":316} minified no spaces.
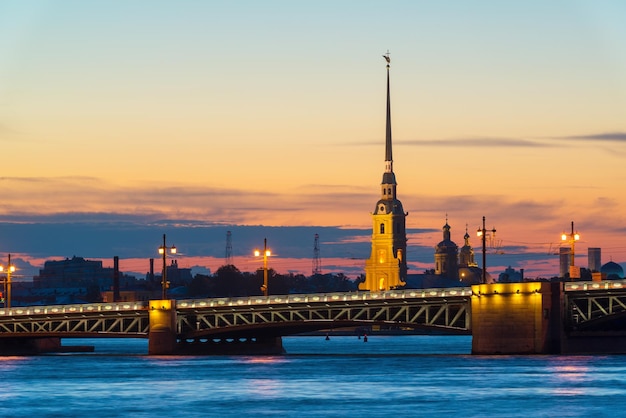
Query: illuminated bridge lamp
{"x":163,"y":251}
{"x":7,"y":284}
{"x":482,"y":234}
{"x":572,"y":237}
{"x":266,"y":253}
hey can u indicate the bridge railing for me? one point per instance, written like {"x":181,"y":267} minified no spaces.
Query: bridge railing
{"x":591,"y":286}
{"x":241,"y":301}
{"x":75,"y":308}
{"x":325,"y":297}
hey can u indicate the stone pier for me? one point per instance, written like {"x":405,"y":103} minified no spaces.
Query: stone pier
{"x":516,"y":318}
{"x":162,"y":334}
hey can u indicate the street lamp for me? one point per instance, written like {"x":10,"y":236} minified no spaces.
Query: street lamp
{"x":482,"y":234}
{"x":163,"y":251}
{"x":573,"y":237}
{"x":7,"y":284}
{"x":266,"y":253}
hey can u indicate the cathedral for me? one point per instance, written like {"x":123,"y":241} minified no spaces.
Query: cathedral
{"x":454,"y":264}
{"x":386,"y":268}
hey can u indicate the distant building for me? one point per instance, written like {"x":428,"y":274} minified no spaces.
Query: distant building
{"x":175,"y":275}
{"x":76,"y":280}
{"x":612,"y":271}
{"x":73,"y":272}
{"x":452,"y":267}
{"x":564,"y":261}
{"x":511,"y":275}
{"x":594,"y":257}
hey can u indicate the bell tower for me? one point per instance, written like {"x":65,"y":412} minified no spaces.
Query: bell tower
{"x":386,"y":268}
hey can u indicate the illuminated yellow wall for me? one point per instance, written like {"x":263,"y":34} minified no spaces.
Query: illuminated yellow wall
{"x":512,"y":318}
{"x":162,"y":337}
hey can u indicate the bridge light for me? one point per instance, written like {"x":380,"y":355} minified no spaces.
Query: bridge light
{"x":266,"y":253}
{"x":482,"y":233}
{"x":163,"y":251}
{"x":10,"y":268}
{"x":572,"y":237}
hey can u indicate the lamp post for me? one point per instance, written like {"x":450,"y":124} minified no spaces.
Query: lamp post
{"x":482,"y":234}
{"x":573,"y":237}
{"x":7,"y":284}
{"x":266,"y":253}
{"x":163,"y":251}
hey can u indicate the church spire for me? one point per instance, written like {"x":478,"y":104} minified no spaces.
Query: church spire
{"x":387,"y":267}
{"x":388,"y":153}
{"x":388,"y":185}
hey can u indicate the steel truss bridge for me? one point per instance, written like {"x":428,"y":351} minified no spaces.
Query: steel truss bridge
{"x":589,"y":307}
{"x":595,"y":307}
{"x":443,"y":309}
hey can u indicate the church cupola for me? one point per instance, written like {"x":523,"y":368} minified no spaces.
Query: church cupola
{"x":466,"y":255}
{"x":446,"y":255}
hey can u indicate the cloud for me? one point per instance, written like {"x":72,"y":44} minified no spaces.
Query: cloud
{"x":490,"y":142}
{"x":83,"y":216}
{"x":605,"y":136}
{"x":66,"y":197}
{"x":475,"y":142}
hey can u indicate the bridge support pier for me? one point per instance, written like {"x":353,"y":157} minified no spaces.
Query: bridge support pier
{"x":516,"y":318}
{"x":29,"y":346}
{"x":34,"y":346}
{"x":162,"y":332}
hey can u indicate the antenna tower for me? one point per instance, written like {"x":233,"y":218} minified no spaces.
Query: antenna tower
{"x":228,"y":260}
{"x":317,"y":263}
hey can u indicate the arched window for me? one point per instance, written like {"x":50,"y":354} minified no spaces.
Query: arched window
{"x":382,"y":228}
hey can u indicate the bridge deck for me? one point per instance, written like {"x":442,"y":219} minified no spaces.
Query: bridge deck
{"x":441,"y":308}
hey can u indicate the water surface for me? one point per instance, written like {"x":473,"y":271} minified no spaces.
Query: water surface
{"x":344,"y":376}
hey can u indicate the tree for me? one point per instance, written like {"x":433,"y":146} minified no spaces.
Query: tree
{"x":229,"y":282}
{"x":200,"y":286}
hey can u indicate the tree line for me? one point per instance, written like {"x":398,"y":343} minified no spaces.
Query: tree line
{"x":228,"y":281}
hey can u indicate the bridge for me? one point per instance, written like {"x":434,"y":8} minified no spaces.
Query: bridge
{"x":253,"y":324}
{"x":529,"y":317}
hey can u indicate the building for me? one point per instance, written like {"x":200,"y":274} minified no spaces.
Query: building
{"x":564,"y":258}
{"x":447,"y":256}
{"x":612,"y":271}
{"x":73,"y":272}
{"x":466,"y":255}
{"x":511,"y":275}
{"x":387,"y":267}
{"x":594,"y":259}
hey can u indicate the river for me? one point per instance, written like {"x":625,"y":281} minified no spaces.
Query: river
{"x":425,"y":376}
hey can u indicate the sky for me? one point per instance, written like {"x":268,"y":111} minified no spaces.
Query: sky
{"x":122,"y":121}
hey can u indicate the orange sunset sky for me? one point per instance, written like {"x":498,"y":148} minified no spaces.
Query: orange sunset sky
{"x":272,"y":113}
